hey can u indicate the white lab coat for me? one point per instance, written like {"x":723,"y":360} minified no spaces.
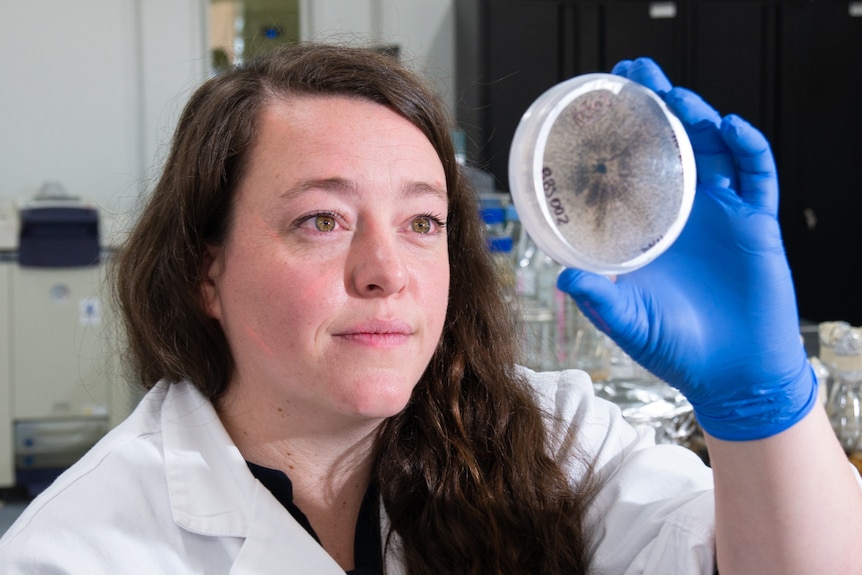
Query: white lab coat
{"x":168,"y":492}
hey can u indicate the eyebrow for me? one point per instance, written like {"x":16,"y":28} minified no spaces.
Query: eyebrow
{"x":341,"y":185}
{"x":328,"y":184}
{"x":424,"y":189}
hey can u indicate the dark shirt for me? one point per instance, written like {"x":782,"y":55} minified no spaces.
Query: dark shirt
{"x":366,"y":544}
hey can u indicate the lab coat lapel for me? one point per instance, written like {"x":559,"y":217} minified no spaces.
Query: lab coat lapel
{"x":213,"y":493}
{"x":208,"y":480}
{"x":276,"y":543}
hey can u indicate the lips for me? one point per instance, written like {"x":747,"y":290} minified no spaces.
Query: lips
{"x":378,"y":333}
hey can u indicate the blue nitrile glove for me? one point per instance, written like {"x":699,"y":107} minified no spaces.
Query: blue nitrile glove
{"x":715,"y":315}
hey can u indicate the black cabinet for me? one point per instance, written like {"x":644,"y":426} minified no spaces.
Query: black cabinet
{"x":731,"y":58}
{"x":503,"y":65}
{"x":510,"y":51}
{"x":792,"y":68}
{"x":821,"y":155}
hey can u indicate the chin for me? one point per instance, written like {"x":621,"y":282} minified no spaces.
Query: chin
{"x":379,"y":399}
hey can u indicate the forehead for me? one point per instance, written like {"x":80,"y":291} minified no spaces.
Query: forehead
{"x":298,"y":123}
{"x":340,"y":139}
{"x":330,"y":111}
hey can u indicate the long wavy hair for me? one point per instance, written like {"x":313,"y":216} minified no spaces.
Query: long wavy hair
{"x":465,"y":472}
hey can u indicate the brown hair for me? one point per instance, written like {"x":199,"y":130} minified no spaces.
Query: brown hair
{"x":465,"y":471}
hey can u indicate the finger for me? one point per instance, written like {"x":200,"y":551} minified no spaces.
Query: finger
{"x":701,"y":120}
{"x":758,"y":181}
{"x":622,"y":68}
{"x":715,"y":165}
{"x":646,"y":72}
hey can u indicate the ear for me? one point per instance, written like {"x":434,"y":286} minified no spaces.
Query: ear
{"x":211,"y":269}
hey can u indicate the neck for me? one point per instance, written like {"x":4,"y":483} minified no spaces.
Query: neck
{"x":330,"y":469}
{"x":328,"y":490}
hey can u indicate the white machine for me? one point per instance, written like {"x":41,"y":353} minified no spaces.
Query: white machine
{"x":8,"y":243}
{"x":61,"y":387}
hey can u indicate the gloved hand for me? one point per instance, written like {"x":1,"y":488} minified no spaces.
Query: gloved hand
{"x":715,"y":315}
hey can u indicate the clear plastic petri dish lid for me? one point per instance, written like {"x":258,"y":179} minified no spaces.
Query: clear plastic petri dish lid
{"x":602,"y":174}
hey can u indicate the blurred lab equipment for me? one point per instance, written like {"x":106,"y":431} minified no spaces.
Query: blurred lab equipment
{"x":644,"y":399}
{"x":535,"y":275}
{"x":555,"y":335}
{"x":59,"y":389}
{"x":841,"y":354}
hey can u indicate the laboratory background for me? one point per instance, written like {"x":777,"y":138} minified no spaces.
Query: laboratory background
{"x":90,"y":92}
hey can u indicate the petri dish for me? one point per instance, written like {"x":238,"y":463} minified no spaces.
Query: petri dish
{"x":602,"y":174}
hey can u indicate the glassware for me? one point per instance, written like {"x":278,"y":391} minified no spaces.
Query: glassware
{"x":588,"y":348}
{"x":602,"y":173}
{"x":841,"y":352}
{"x":536,"y":328}
{"x":536,"y":276}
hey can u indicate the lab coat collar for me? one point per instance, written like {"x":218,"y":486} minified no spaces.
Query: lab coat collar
{"x":393,"y":559}
{"x":213,"y":493}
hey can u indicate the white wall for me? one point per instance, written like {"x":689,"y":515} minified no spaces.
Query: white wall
{"x":90,"y":90}
{"x":174,"y":61}
{"x":424,"y":30}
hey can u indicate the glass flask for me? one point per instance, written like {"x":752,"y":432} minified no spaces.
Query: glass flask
{"x":536,"y":329}
{"x":841,"y":353}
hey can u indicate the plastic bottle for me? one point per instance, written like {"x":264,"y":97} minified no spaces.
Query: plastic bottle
{"x":500,"y":243}
{"x":499,"y":239}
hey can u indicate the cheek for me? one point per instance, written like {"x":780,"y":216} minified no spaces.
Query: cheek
{"x":284,"y":311}
{"x":437,"y":296}
{"x":270,"y":289}
{"x":296,"y":295}
{"x":303,"y":293}
{"x":318,"y":287}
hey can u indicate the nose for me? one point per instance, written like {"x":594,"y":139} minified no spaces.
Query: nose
{"x":376,"y":265}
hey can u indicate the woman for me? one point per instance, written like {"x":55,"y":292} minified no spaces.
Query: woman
{"x":333,"y":370}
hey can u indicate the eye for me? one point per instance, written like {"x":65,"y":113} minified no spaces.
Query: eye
{"x":421,"y":225}
{"x":324,"y":222}
{"x":426,"y":224}
{"x":320,"y":222}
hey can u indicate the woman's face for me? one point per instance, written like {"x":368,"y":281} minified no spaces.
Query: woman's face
{"x":333,"y":284}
